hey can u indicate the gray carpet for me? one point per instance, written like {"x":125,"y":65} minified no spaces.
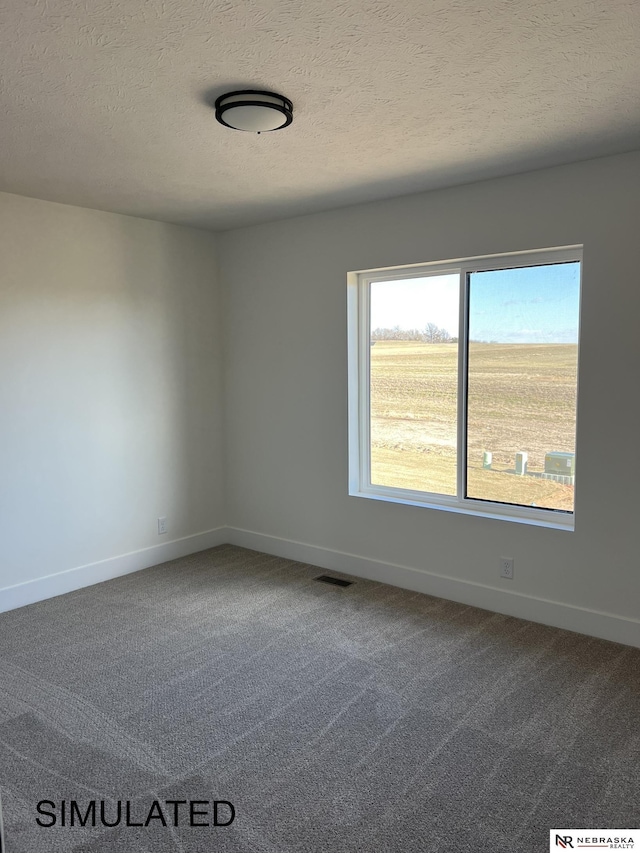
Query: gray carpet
{"x":334,"y":720}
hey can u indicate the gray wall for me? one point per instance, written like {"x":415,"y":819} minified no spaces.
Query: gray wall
{"x":286,"y":385}
{"x":110,"y":386}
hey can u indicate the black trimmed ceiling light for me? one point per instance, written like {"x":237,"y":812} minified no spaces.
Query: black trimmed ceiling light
{"x":254,"y":111}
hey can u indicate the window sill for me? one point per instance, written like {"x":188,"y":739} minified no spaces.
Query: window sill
{"x":549,"y":518}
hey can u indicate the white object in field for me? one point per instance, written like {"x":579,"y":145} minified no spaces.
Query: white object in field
{"x":487,"y":459}
{"x":521,"y":463}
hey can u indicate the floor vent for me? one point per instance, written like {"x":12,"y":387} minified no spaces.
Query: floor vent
{"x":334,"y":581}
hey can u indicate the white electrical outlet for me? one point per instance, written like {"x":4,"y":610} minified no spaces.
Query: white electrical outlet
{"x":506,"y":568}
{"x":162,"y":525}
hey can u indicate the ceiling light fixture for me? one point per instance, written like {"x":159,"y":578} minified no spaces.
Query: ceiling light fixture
{"x":254,"y":111}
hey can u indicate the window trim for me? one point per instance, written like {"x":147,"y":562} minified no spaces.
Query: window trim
{"x":359,"y":386}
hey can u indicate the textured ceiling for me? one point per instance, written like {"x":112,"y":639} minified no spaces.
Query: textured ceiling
{"x":104,"y":103}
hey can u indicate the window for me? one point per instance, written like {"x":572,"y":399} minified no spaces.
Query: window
{"x":463,"y":382}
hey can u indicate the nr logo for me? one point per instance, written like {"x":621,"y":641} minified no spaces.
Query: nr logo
{"x":564,"y":841}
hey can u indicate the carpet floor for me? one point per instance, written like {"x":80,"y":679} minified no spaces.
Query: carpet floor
{"x":363,"y":719}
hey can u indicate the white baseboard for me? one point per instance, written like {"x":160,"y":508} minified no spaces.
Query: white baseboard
{"x":81,"y":576}
{"x":594,"y":623}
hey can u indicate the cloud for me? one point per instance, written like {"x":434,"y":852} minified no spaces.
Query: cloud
{"x":526,"y":335}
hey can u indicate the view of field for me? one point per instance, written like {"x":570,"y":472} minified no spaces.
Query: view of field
{"x":522,"y":397}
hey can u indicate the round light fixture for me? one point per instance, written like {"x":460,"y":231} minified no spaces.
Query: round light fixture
{"x":254,"y":111}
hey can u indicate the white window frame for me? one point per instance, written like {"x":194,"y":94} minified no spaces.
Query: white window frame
{"x":359,"y":383}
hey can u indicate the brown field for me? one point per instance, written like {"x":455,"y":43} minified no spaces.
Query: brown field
{"x":522,"y":397}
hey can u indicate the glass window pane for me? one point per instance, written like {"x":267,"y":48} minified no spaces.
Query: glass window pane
{"x":414,"y":385}
{"x":522,"y":385}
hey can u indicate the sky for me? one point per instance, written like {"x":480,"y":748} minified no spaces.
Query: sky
{"x":413,"y":303}
{"x":527,"y":305}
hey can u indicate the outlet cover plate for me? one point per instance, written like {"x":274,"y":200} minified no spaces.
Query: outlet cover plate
{"x":506,"y":568}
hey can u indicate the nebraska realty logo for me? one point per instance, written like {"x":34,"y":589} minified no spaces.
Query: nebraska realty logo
{"x":609,"y":839}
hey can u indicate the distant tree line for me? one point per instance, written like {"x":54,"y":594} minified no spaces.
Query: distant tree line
{"x":431,"y":334}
